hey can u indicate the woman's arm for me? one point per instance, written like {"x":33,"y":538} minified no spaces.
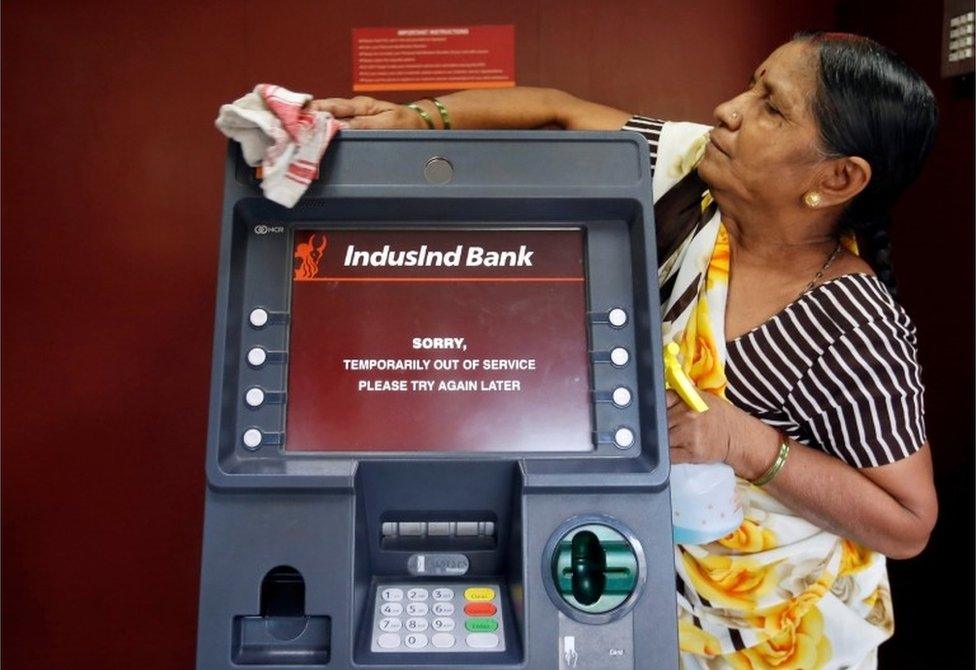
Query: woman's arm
{"x":520,"y":107}
{"x":891,"y":508}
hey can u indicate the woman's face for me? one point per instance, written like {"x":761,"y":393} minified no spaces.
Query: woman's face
{"x":763,"y":153}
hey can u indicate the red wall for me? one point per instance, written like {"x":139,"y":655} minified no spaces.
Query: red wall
{"x":111,"y":203}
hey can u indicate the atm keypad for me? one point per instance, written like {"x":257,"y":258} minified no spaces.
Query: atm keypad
{"x":456,"y":617}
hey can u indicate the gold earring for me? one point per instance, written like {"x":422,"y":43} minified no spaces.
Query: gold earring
{"x":811,"y":199}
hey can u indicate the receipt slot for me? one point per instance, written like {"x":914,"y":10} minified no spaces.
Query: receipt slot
{"x":437,"y":430}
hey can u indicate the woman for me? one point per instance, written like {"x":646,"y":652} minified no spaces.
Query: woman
{"x":806,"y":362}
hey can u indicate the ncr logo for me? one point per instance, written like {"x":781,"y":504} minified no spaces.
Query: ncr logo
{"x":309,"y":252}
{"x":264,"y":229}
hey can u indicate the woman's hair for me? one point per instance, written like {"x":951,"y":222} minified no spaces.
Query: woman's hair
{"x":870,"y":103}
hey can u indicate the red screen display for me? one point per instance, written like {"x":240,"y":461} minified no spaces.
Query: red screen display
{"x":438,"y":340}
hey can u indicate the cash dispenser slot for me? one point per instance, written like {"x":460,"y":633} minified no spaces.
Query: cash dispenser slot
{"x":438,"y":533}
{"x":282,"y":634}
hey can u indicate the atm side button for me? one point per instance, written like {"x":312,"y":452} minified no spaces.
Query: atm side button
{"x":480,"y":609}
{"x":252,"y":438}
{"x":256,"y":357}
{"x":482,"y":640}
{"x":617,"y":317}
{"x":479,"y":593}
{"x":254,"y":397}
{"x":619,"y":356}
{"x":623,"y":438}
{"x":258,"y":317}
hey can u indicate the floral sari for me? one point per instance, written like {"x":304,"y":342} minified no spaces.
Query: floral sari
{"x":778,"y":593}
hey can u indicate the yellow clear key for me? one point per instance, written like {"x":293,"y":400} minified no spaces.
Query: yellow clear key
{"x":479,"y":593}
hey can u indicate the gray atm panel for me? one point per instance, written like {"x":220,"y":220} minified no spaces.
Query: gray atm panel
{"x":294,"y":544}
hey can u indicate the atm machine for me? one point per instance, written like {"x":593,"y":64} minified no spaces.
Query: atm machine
{"x":437,"y":429}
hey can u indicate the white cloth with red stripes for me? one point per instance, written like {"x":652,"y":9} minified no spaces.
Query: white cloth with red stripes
{"x":277,"y":133}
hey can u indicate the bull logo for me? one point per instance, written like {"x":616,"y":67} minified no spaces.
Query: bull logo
{"x":308,"y":254}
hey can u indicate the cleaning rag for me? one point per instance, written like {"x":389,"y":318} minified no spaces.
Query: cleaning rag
{"x":279,"y":135}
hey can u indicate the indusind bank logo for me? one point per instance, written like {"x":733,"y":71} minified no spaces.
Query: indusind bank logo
{"x":468,"y":256}
{"x":310,"y":252}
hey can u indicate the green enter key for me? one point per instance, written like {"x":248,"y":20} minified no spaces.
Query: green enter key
{"x":481,"y":625}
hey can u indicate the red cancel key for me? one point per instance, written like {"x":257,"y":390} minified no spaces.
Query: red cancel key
{"x":479,"y":609}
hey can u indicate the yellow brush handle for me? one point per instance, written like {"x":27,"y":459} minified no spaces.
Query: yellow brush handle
{"x":679,"y":382}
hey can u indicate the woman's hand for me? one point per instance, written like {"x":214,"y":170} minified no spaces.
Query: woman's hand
{"x":704,"y":437}
{"x":363,"y":112}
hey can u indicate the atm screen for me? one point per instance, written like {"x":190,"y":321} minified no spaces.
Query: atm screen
{"x":438,"y":340}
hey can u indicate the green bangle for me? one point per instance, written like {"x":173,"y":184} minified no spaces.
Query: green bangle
{"x":424,"y":115}
{"x":445,"y":117}
{"x":784,"y":451}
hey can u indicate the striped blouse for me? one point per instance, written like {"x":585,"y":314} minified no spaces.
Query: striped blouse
{"x":835,"y":369}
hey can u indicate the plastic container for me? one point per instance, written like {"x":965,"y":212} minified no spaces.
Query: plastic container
{"x":704,"y":503}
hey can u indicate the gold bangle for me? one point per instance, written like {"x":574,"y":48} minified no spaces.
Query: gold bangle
{"x":424,"y":115}
{"x":784,"y":451}
{"x":445,"y":117}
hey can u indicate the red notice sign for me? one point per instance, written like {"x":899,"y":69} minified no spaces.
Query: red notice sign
{"x":431,"y":58}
